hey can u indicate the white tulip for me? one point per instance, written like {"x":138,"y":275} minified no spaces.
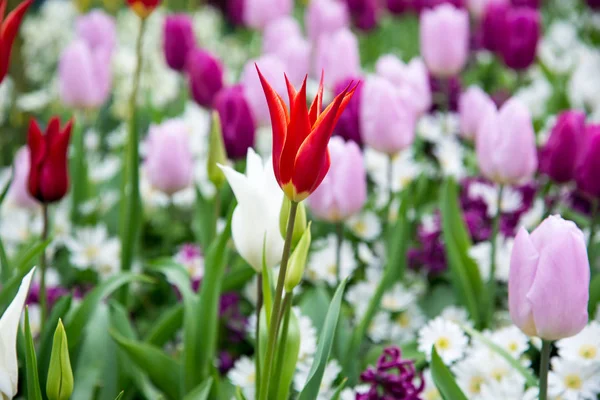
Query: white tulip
{"x":256,"y":217}
{"x":9,"y":325}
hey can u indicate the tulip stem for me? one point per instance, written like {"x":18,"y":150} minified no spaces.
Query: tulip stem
{"x":390,"y":180}
{"x":593,"y":225}
{"x":259,"y":305}
{"x":43,"y":298}
{"x":492,"y":279}
{"x":275,"y":319}
{"x":339,"y":232}
{"x":285,"y":311}
{"x":544,"y":364}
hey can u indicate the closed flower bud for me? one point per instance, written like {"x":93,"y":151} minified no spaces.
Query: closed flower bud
{"x":444,"y":33}
{"x":259,"y":13}
{"x":473,"y":106}
{"x":60,"y":375}
{"x":8,"y":32}
{"x":143,"y":8}
{"x":178,"y":40}
{"x":325,"y":17}
{"x":343,"y":192}
{"x":98,"y":30}
{"x":519,"y":46}
{"x":237,"y":124}
{"x":365,"y":13}
{"x":493,"y":25}
{"x":587,"y":167}
{"x":526,"y":3}
{"x":548,"y":287}
{"x":348,"y":125}
{"x":297,"y":262}
{"x":299,"y":223}
{"x":337,"y":54}
{"x":506,"y":148}
{"x":168,"y":162}
{"x":557,"y":158}
{"x":216,"y":152}
{"x":477,"y":7}
{"x":48,"y":173}
{"x":205,"y":74}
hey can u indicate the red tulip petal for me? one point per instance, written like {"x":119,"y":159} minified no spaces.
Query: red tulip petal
{"x":52,"y":132}
{"x":2,"y":10}
{"x":8,"y":32}
{"x":315,"y":108}
{"x":54,"y":176}
{"x":345,"y":96}
{"x":37,"y":150}
{"x":291,"y":91}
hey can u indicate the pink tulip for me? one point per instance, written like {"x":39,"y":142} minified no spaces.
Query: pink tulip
{"x":325,"y":17}
{"x":387,"y":120}
{"x":445,"y":40}
{"x":337,"y":54}
{"x":18,"y":192}
{"x":506,"y":149}
{"x":84,"y":76}
{"x":259,"y":13}
{"x":98,"y":30}
{"x":169,"y":164}
{"x":284,"y":39}
{"x":548,"y":286}
{"x":278,"y":32}
{"x":411,"y":79}
{"x":473,"y":106}
{"x":343,"y":192}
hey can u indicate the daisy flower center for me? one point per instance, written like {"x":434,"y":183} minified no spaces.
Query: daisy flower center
{"x":360,"y":227}
{"x":588,"y":352}
{"x":512,"y":347}
{"x":573,"y":382}
{"x":403,"y":320}
{"x":475,"y":384}
{"x":92,"y":252}
{"x":442,"y":343}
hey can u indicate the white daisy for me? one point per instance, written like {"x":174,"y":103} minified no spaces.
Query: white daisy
{"x":458,"y":315}
{"x":449,"y":340}
{"x":449,"y":153}
{"x":322,"y":264}
{"x":431,"y":392}
{"x":439,"y":126}
{"x":243,"y":375}
{"x":365,"y":226}
{"x":574,"y":380}
{"x":533,"y":217}
{"x":512,"y":340}
{"x":511,"y":201}
{"x":481,"y":253}
{"x":406,"y":323}
{"x":583,"y":347}
{"x":379,"y":328}
{"x":327,"y":388}
{"x":398,"y":298}
{"x":93,"y":248}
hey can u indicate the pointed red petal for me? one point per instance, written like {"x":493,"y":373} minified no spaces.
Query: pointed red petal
{"x":291,"y":91}
{"x":54,"y":175}
{"x":52,"y":132}
{"x":2,"y":10}
{"x":8,"y":32}
{"x":315,"y":108}
{"x":37,"y":152}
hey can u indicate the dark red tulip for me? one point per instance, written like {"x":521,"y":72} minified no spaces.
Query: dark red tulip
{"x":8,"y":32}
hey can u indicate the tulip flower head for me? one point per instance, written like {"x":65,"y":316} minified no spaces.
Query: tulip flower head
{"x":48,"y":173}
{"x":300,"y":136}
{"x":9,"y":325}
{"x":8,"y":32}
{"x":143,"y":8}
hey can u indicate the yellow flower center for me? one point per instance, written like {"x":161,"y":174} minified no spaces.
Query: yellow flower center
{"x":92,"y":252}
{"x":513,"y":347}
{"x":442,"y":343}
{"x":588,"y":352}
{"x":475,"y":384}
{"x":573,"y":382}
{"x":360,"y":227}
{"x":403,"y":319}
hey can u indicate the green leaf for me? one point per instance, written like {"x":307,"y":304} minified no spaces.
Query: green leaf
{"x":163,"y":371}
{"x":444,"y":380}
{"x":77,"y":320}
{"x":338,"y":391}
{"x":594,"y":296}
{"x":201,"y":392}
{"x":267,"y":288}
{"x":33,"y":382}
{"x":315,"y":376}
{"x":167,"y":325}
{"x":239,"y":395}
{"x":120,"y":396}
{"x":397,"y":245}
{"x":314,"y":303}
{"x":516,"y":364}
{"x":464,"y":272}
{"x":175,"y":273}
{"x":204,"y":220}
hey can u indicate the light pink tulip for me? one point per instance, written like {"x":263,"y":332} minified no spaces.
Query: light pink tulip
{"x":18,"y":193}
{"x":278,"y":32}
{"x":506,"y":148}
{"x":411,"y":79}
{"x":445,"y":39}
{"x":259,"y":13}
{"x":548,"y":286}
{"x":473,"y":106}
{"x":387,"y":121}
{"x":168,"y":162}
{"x":98,"y":30}
{"x":325,"y":17}
{"x":343,"y":192}
{"x":337,"y":54}
{"x":273,"y":69}
{"x":84,"y":76}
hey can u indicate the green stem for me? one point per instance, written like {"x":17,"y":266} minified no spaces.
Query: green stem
{"x":544,"y":364}
{"x":43,"y":296}
{"x":593,"y":226}
{"x":274,"y":324}
{"x":339,"y":232}
{"x":390,"y":179}
{"x":80,"y":176}
{"x":259,"y":304}
{"x":130,"y":188}
{"x":492,"y":282}
{"x":287,"y":307}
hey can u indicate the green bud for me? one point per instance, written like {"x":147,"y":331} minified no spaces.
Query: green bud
{"x":299,"y":223}
{"x":298,"y":261}
{"x":60,"y":375}
{"x":216,"y":153}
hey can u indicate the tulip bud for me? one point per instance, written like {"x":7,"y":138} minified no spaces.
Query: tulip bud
{"x":259,"y":13}
{"x":477,"y":7}
{"x":178,"y":40}
{"x":60,"y":375}
{"x":297,"y":262}
{"x":348,"y":126}
{"x":205,"y":74}
{"x":365,"y":13}
{"x":473,"y":106}
{"x":337,"y":54}
{"x":505,"y":146}
{"x":526,"y":3}
{"x":587,"y":166}
{"x":216,"y":153}
{"x":234,"y":11}
{"x":557,"y":158}
{"x":143,"y":8}
{"x":98,"y":30}
{"x":493,"y":25}
{"x":236,"y":121}
{"x":548,"y":286}
{"x":594,"y":4}
{"x":444,"y":33}
{"x":325,"y":17}
{"x":521,"y":37}
{"x":8,"y":33}
{"x":48,"y":173}
{"x":399,"y":7}
{"x":277,"y":33}
{"x":299,"y":222}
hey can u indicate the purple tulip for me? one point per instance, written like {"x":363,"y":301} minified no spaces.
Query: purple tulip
{"x":557,"y":158}
{"x":234,"y":9}
{"x":399,"y":7}
{"x":98,"y":30}
{"x":236,"y":121}
{"x":493,"y":25}
{"x":337,"y":54}
{"x":422,"y":5}
{"x":477,"y":7}
{"x":168,"y":162}
{"x":205,"y":74}
{"x":325,"y":17}
{"x":178,"y":40}
{"x":365,"y":13}
{"x":348,"y":126}
{"x":343,"y":192}
{"x":473,"y":105}
{"x":259,"y":13}
{"x":18,"y":193}
{"x":595,"y":4}
{"x":526,"y":3}
{"x":548,"y":287}
{"x":446,"y":89}
{"x":84,"y":76}
{"x":444,"y":34}
{"x":522,"y":34}
{"x":506,"y":148}
{"x":587,"y":166}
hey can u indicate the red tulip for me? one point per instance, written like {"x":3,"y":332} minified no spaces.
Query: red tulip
{"x":8,"y":32}
{"x":48,"y":175}
{"x":143,"y":8}
{"x":300,"y":136}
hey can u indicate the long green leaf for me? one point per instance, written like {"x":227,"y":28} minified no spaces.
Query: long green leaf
{"x":338,"y":391}
{"x":162,"y":370}
{"x":169,"y":322}
{"x":444,"y":380}
{"x":201,"y":392}
{"x":315,"y":376}
{"x":594,"y":296}
{"x":33,"y":382}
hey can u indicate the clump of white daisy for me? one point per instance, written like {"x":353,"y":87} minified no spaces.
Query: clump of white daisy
{"x":481,"y":253}
{"x":91,"y":247}
{"x":447,"y":337}
{"x":365,"y":226}
{"x":322,"y":264}
{"x":583,"y":347}
{"x":327,"y":388}
{"x":243,"y":375}
{"x":574,"y":380}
